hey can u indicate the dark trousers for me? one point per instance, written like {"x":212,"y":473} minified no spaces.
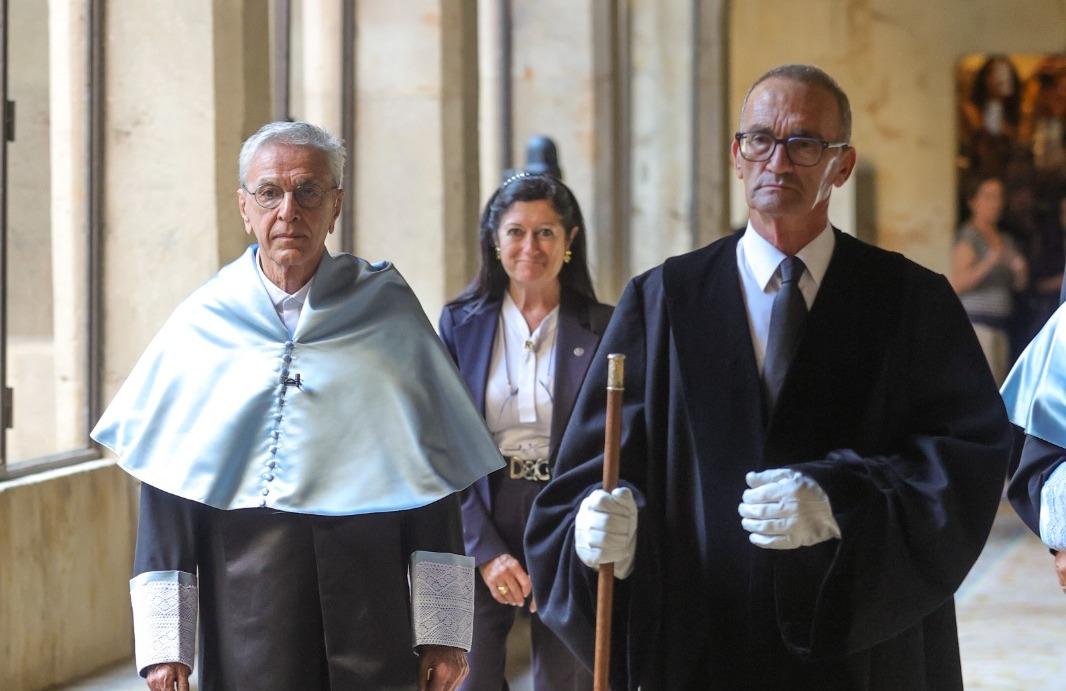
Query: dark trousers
{"x":554,"y":667}
{"x":293,"y":601}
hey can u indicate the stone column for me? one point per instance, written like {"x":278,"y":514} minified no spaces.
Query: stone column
{"x":710,"y":125}
{"x":68,"y":42}
{"x":556,"y":81}
{"x":416,"y":128}
{"x":174,"y":128}
{"x":490,"y":80}
{"x":662,"y":162}
{"x":242,"y":86}
{"x":319,"y":43}
{"x":609,"y":206}
{"x":679,"y":129}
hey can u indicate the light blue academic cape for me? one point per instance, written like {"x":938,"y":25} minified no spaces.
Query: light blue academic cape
{"x":379,"y":422}
{"x":1035,"y":390}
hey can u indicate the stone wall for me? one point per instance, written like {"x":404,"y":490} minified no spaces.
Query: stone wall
{"x":65,"y":554}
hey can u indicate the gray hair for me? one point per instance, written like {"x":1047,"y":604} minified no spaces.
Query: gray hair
{"x":811,"y":76}
{"x":294,"y":134}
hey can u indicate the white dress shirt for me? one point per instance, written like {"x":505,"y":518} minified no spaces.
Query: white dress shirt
{"x":758,"y":261}
{"x":287,"y":306}
{"x":518,"y":395}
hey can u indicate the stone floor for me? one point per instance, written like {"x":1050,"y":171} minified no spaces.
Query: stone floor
{"x":1012,"y":614}
{"x":1012,"y":623}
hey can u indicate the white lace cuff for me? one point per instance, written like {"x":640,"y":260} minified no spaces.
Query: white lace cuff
{"x":164,"y":617}
{"x":442,"y":599}
{"x":1053,"y":510}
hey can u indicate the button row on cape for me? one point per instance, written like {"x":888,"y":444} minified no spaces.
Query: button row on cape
{"x":275,"y":433}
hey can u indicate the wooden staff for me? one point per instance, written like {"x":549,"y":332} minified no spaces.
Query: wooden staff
{"x":605,"y":590}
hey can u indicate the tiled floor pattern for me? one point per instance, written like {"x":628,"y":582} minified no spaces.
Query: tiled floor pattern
{"x":1012,"y":623}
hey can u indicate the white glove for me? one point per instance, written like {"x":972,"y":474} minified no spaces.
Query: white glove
{"x":605,"y":530}
{"x":785,"y":509}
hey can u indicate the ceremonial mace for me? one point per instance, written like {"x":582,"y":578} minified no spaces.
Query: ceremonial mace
{"x":605,"y":589}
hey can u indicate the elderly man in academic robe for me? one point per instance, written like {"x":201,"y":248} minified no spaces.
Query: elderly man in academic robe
{"x":300,"y":435}
{"x":812,"y":446}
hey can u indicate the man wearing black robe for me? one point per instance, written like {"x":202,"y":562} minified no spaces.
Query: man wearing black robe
{"x":868,"y":471}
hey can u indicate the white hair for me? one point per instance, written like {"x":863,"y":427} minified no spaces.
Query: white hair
{"x":294,"y":134}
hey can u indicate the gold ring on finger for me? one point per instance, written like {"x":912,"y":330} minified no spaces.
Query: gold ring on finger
{"x":502,"y":589}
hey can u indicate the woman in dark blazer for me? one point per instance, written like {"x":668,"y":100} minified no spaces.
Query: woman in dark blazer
{"x":523,"y":334}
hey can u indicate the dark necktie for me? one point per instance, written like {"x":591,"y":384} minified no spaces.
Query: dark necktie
{"x":786,"y":324}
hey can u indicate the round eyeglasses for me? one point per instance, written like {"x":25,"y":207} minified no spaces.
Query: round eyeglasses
{"x":801,"y":151}
{"x":308,"y":196}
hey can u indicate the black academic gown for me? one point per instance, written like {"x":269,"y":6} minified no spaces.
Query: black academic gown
{"x":888,"y":405}
{"x":1038,"y":460}
{"x":297,"y":601}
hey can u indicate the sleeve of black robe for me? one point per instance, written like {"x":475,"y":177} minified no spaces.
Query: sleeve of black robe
{"x":1039,"y":460}
{"x":166,"y":533}
{"x":565,"y":589}
{"x":435,"y":527}
{"x":914,"y":520}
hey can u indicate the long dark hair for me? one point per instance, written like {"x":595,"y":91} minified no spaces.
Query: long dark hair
{"x":491,"y":279}
{"x":979,"y":91}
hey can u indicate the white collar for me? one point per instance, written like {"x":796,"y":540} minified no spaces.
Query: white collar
{"x":277,"y":295}
{"x":763,"y":258}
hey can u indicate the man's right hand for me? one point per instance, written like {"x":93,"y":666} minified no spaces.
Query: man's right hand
{"x":168,"y":676}
{"x":605,"y":530}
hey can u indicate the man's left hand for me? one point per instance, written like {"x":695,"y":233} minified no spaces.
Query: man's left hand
{"x":441,"y":668}
{"x":785,"y":509}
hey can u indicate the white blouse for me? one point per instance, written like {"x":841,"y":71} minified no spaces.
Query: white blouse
{"x":518,"y":396}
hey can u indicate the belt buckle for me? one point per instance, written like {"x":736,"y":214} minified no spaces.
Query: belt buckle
{"x":535,"y":469}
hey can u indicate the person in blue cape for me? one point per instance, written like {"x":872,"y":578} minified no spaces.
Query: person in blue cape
{"x":300,"y":435}
{"x":1035,"y":395}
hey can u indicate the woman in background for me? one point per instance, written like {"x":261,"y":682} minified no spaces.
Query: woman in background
{"x":523,"y":334}
{"x":986,"y":271}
